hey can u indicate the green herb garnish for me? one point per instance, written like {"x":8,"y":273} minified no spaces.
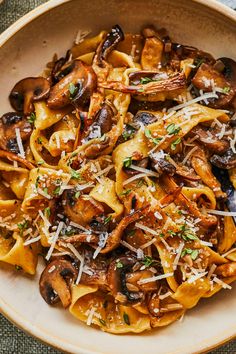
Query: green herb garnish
{"x":147,"y":261}
{"x":40,"y":162}
{"x":126,"y":319}
{"x":193,"y":253}
{"x":127,"y":162}
{"x":119,"y":264}
{"x":32,"y":118}
{"x":47,"y":212}
{"x":57,"y":190}
{"x":145,"y":80}
{"x":175,"y":143}
{"x":17,"y":267}
{"x":102,"y":321}
{"x":75,"y":174}
{"x":77,"y":194}
{"x":226,"y":89}
{"x":22,"y":226}
{"x":126,"y":192}
{"x":39,"y":140}
{"x":148,"y":135}
{"x":172,"y":129}
{"x":73,"y":90}
{"x":128,"y":132}
{"x":107,"y":219}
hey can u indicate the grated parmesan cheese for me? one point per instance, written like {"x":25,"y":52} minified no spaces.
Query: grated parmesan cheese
{"x":145,"y":228}
{"x":54,"y":240}
{"x":19,"y":143}
{"x":158,"y":277}
{"x":32,"y":240}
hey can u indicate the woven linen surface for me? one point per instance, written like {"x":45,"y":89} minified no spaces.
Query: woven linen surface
{"x":13,"y":340}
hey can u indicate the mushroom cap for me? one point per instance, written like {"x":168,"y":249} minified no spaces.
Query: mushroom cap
{"x":27,"y":91}
{"x":83,"y":80}
{"x":55,"y":280}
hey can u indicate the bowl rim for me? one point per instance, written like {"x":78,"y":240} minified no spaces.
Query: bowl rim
{"x":5,"y":309}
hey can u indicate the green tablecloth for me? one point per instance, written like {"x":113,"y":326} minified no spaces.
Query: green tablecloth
{"x":13,"y":340}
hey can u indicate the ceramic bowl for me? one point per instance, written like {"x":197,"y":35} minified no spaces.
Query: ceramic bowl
{"x":24,"y":49}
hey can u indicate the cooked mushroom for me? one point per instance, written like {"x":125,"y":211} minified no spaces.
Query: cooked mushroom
{"x":207,"y":77}
{"x":140,"y":163}
{"x":116,"y":278}
{"x":226,"y":270}
{"x":203,"y":169}
{"x":13,"y":157}
{"x":171,"y":83}
{"x":58,"y":70}
{"x":144,"y":117}
{"x":76,"y":87}
{"x":162,"y":165}
{"x":55,"y":281}
{"x":102,"y":121}
{"x":9,"y":122}
{"x":113,"y":239}
{"x":110,"y":42}
{"x":213,"y":144}
{"x":81,"y":210}
{"x":28,"y":91}
{"x":226,"y":161}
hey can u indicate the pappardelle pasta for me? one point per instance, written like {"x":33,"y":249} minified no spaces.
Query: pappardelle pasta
{"x":118,"y":168}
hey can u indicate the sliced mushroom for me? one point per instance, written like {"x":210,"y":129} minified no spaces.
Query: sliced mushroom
{"x":9,"y":122}
{"x":55,"y":281}
{"x":202,"y":167}
{"x":174,"y":82}
{"x":58,"y":70}
{"x":207,"y":77}
{"x":81,"y":210}
{"x":226,"y":161}
{"x":76,"y":87}
{"x":162,"y":165}
{"x":140,"y":163}
{"x":13,"y":157}
{"x":226,"y":270}
{"x":28,"y":91}
{"x":110,"y":42}
{"x":116,"y":278}
{"x":214,"y":144}
{"x":144,"y":117}
{"x":102,"y":122}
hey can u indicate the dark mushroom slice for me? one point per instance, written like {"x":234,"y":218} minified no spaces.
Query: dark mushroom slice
{"x":59,"y":70}
{"x":144,"y":117}
{"x":225,"y":161}
{"x":202,"y":167}
{"x":81,"y":210}
{"x":110,"y":42}
{"x":28,"y":91}
{"x":213,"y":144}
{"x":55,"y":282}
{"x":140,"y":163}
{"x":103,"y":121}
{"x":173,"y":82}
{"x":206,"y":75}
{"x":75,"y":88}
{"x":9,"y":122}
{"x":186,"y":51}
{"x":161,"y":165}
{"x":116,"y":278}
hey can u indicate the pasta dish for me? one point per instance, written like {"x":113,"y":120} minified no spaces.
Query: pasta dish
{"x":118,"y":173}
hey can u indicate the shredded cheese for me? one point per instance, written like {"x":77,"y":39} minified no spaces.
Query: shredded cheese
{"x":19,"y":143}
{"x":197,"y":99}
{"x":144,"y":170}
{"x":158,"y":277}
{"x":221,"y":212}
{"x":32,"y":240}
{"x":54,"y":240}
{"x":145,"y":228}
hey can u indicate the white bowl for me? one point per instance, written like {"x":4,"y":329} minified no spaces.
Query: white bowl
{"x":24,"y":49}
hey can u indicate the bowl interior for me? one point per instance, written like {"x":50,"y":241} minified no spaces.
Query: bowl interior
{"x":25,"y":54}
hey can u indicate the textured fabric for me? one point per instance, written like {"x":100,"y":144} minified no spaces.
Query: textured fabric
{"x":13,"y":340}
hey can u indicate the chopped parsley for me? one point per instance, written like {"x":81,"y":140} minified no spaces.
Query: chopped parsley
{"x":126,"y":192}
{"x":148,"y":135}
{"x":126,"y":319}
{"x":22,"y":226}
{"x":72,"y":89}
{"x":57,"y":190}
{"x":172,"y":129}
{"x":198,"y":62}
{"x":40,"y":162}
{"x":175,"y":143}
{"x":45,"y":190}
{"x":32,"y":118}
{"x":47,"y":211}
{"x":37,"y":182}
{"x":39,"y":140}
{"x":77,"y":194}
{"x":145,"y":80}
{"x":188,"y":251}
{"x":226,"y":89}
{"x":75,"y":174}
{"x":127,"y":162}
{"x":186,"y":234}
{"x":107,"y":219}
{"x":147,"y":261}
{"x":17,"y":267}
{"x":119,"y":264}
{"x":128,"y":132}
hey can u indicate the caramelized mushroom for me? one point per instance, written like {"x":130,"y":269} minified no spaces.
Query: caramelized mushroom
{"x":13,"y":157}
{"x":226,"y":161}
{"x":144,"y":118}
{"x":215,"y":144}
{"x":81,"y":210}
{"x":116,"y":278}
{"x":76,"y":87}
{"x":161,"y":165}
{"x":203,"y":169}
{"x":171,"y":83}
{"x":103,"y":120}
{"x":55,"y":281}
{"x":110,"y":42}
{"x":28,"y":91}
{"x":9,"y":122}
